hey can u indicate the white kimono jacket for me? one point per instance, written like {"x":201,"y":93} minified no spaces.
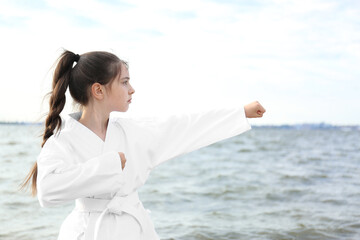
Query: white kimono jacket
{"x":76,"y":164}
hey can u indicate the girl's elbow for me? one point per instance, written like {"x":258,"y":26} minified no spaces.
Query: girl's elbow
{"x":44,"y":200}
{"x":46,"y":196}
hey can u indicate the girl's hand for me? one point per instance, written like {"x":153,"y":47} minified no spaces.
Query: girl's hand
{"x":123,"y":159}
{"x":254,"y":110}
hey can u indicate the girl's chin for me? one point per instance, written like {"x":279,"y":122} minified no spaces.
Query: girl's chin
{"x":124,"y":109}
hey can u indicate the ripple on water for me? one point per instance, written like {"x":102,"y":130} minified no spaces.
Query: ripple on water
{"x":296,"y":178}
{"x":314,"y":159}
{"x":333,"y":201}
{"x":22,"y":153}
{"x":301,"y":233}
{"x":208,"y":234}
{"x":244,"y":150}
{"x":11,"y":143}
{"x":16,"y":204}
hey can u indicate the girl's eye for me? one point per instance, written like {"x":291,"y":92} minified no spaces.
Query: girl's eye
{"x":125,"y":82}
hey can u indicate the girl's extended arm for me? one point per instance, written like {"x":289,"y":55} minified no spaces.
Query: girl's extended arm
{"x":183,"y":133}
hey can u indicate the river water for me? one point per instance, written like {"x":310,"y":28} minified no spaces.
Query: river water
{"x":267,"y":183}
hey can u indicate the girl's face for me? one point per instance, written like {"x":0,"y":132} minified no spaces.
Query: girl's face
{"x":119,"y":94}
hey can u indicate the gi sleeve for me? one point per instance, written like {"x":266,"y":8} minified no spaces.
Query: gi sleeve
{"x":182,"y":133}
{"x":60,"y":179}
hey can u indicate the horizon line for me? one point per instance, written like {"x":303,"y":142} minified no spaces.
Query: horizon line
{"x":313,"y":124}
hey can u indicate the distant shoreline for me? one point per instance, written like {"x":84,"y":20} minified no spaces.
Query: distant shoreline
{"x":309,"y":126}
{"x":276,"y":126}
{"x":21,"y":123}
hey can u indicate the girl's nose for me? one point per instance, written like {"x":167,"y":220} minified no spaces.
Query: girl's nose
{"x":132,"y":90}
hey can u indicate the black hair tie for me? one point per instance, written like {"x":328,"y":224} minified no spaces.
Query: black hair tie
{"x":77,"y":57}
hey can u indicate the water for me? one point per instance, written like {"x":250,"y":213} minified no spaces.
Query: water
{"x":264,"y":184}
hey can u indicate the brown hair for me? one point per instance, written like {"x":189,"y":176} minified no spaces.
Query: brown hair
{"x":92,"y":67}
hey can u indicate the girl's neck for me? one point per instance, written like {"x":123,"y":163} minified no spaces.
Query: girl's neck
{"x":96,"y":121}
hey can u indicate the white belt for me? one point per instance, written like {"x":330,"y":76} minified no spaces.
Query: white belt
{"x":129,"y":204}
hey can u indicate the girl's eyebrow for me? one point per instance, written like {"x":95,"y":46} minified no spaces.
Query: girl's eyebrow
{"x":127,"y":78}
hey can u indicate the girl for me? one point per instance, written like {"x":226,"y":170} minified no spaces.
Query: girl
{"x":99,"y":157}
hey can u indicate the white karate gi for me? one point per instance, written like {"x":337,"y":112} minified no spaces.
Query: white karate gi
{"x":76,"y":164}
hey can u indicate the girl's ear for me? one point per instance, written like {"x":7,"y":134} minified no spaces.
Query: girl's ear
{"x":97,"y":91}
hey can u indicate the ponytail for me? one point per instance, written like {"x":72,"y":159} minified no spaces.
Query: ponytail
{"x":61,"y":80}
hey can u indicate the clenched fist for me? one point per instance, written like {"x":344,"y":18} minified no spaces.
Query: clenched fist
{"x":254,"y":110}
{"x":123,"y":159}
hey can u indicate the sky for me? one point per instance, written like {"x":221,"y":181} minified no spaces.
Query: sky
{"x":299,"y":59}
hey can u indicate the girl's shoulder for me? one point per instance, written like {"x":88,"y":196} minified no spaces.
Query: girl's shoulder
{"x":61,"y":138}
{"x":133,"y":120}
{"x":54,"y":145}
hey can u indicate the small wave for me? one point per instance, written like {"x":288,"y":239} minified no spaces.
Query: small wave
{"x":311,"y":233}
{"x":201,"y":233}
{"x":354,"y":226}
{"x":333,"y":201}
{"x":298,"y":178}
{"x":16,"y":204}
{"x":22,"y":153}
{"x":314,"y":158}
{"x":319,"y":176}
{"x":244,"y":150}
{"x":12,"y":143}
